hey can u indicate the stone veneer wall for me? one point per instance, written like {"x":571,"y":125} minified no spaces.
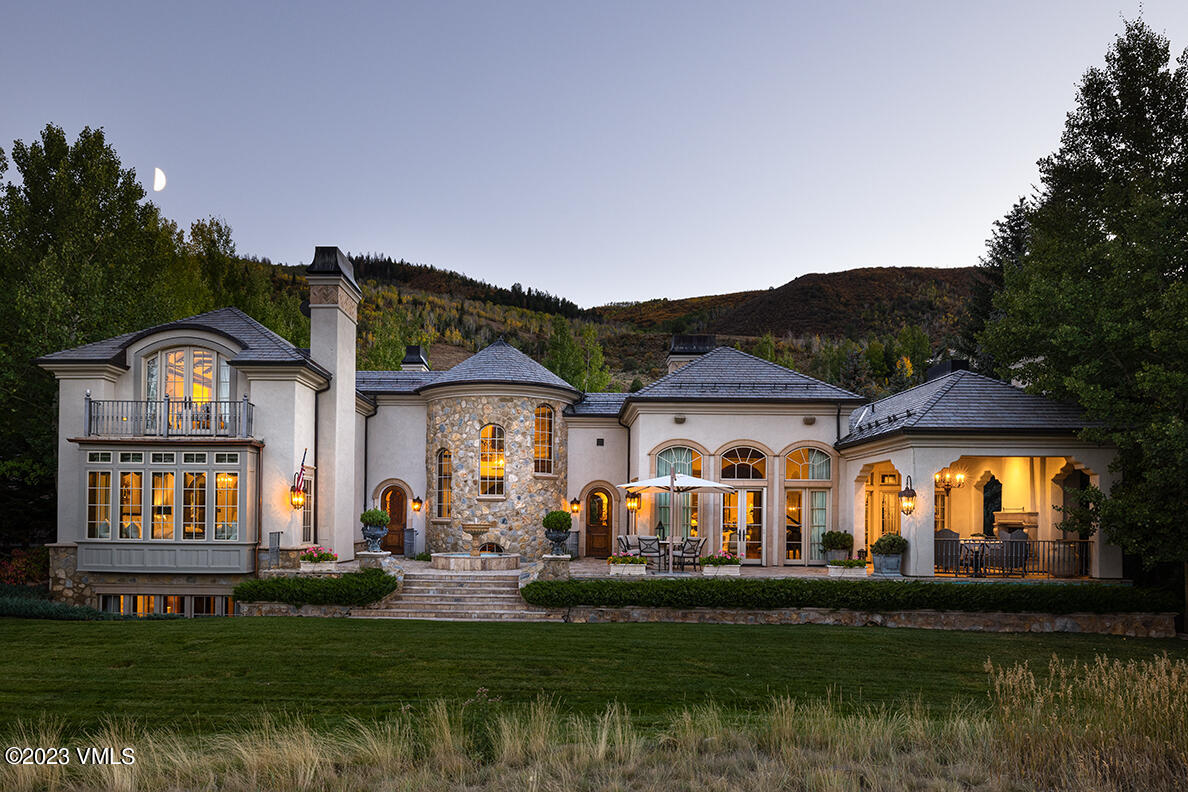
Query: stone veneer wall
{"x":454,"y":423}
{"x":69,"y":585}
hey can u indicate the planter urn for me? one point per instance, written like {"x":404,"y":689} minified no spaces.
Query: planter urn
{"x":559,"y":540}
{"x":372,"y":534}
{"x":887,"y":565}
{"x":836,"y":555}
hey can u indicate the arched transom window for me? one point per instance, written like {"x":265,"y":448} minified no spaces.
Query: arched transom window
{"x":808,"y":464}
{"x":678,"y":517}
{"x":491,"y":460}
{"x":743,"y":462}
{"x":445,"y":483}
{"x":192,"y":373}
{"x":542,"y":439}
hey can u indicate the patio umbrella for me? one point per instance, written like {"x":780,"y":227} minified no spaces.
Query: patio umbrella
{"x":675,"y":483}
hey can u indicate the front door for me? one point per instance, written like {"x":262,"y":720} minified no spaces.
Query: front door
{"x":393,"y":503}
{"x":742,"y":524}
{"x":598,"y":524}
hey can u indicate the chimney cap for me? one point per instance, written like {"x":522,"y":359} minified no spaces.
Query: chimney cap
{"x":683,"y":344}
{"x":945,"y":367}
{"x":414,"y":359}
{"x":329,"y":260}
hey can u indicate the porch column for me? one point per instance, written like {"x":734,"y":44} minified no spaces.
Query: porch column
{"x":919,"y":527}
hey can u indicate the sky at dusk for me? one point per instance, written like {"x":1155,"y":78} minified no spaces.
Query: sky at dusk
{"x":602,"y":151}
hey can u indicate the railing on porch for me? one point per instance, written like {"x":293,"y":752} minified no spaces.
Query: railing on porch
{"x":1059,"y":558}
{"x":168,"y":418}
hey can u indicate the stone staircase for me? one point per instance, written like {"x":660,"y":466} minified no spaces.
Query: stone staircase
{"x":459,"y":596}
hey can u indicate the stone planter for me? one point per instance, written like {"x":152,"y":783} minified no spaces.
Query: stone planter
{"x":847,"y":572}
{"x":836,"y":555}
{"x":310,"y":567}
{"x":627,"y":570}
{"x":726,"y":570}
{"x":886,"y":565}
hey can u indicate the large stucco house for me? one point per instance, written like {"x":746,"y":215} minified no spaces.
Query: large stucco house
{"x":180,"y":446}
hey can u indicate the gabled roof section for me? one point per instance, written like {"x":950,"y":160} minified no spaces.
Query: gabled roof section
{"x":726,"y":374}
{"x":597,"y":405}
{"x":500,"y":364}
{"x":258,"y":345}
{"x":962,"y":402}
{"x":397,"y":383}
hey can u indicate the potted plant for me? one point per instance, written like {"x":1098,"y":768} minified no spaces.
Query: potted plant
{"x":887,"y":553}
{"x":556,"y":527}
{"x":375,"y":525}
{"x":721,"y":564}
{"x":317,"y":559}
{"x":837,"y":545}
{"x":847,"y":568}
{"x":625,"y":564}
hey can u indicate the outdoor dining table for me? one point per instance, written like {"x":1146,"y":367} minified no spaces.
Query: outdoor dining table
{"x":975,"y":550}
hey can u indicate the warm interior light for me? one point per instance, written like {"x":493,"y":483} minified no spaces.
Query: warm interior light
{"x":224,"y":480}
{"x":416,"y":504}
{"x":296,"y":497}
{"x":575,"y":505}
{"x":907,"y":498}
{"x":948,"y":480}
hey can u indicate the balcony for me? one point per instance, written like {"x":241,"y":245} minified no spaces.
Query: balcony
{"x":168,"y":418}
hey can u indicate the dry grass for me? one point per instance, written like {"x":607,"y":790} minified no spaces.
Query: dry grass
{"x":1105,"y":725}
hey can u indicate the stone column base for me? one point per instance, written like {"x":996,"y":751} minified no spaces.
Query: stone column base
{"x":555,"y":567}
{"x":372,"y":560}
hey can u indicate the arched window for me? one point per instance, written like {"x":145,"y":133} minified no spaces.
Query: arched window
{"x":808,"y":464}
{"x":192,"y":373}
{"x":542,"y":439}
{"x":679,"y":518}
{"x":491,"y":460}
{"x":445,"y":483}
{"x":744,"y":463}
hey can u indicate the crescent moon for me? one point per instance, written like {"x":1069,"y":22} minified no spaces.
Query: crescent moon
{"x":158,"y":180}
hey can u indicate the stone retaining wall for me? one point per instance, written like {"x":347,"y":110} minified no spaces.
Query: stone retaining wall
{"x":285,"y":609}
{"x":70,"y":585}
{"x":1134,"y":625}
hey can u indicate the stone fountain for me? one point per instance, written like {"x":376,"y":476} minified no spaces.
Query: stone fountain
{"x":475,"y":560}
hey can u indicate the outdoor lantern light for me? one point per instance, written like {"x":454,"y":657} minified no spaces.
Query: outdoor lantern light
{"x":296,"y":497}
{"x":907,"y":498}
{"x":575,"y":505}
{"x":632,"y":501}
{"x":948,"y":480}
{"x":416,"y":504}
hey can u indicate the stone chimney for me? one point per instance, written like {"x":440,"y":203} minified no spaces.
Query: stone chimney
{"x":686,"y":348}
{"x":333,"y":315}
{"x":414,"y":359}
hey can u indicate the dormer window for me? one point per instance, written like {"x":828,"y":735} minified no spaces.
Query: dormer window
{"x":187,"y":373}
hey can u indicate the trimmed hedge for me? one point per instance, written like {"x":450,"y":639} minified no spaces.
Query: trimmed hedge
{"x":26,"y":607}
{"x":19,"y":591}
{"x":353,"y":588}
{"x":865,"y":595}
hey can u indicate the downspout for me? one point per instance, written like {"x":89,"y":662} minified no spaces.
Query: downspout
{"x":366,"y":421}
{"x":630,"y":514}
{"x":837,"y":427}
{"x":259,"y":511}
{"x":317,"y":393}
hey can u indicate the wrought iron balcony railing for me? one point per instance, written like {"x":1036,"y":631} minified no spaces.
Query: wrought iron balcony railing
{"x":1057,"y":558}
{"x":168,"y":418}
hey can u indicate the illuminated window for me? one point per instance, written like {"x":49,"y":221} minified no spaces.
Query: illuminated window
{"x":808,"y":464}
{"x":542,"y":439}
{"x":194,"y":505}
{"x":226,"y":506}
{"x":162,"y":505}
{"x":98,"y":504}
{"x":445,"y":483}
{"x":191,"y":377}
{"x":682,"y":521}
{"x":744,"y":463}
{"x":491,"y":460}
{"x":131,"y":504}
{"x":173,"y":604}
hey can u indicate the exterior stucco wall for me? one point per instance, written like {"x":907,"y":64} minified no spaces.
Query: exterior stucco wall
{"x":454,"y":422}
{"x":592,"y":465}
{"x":397,"y":454}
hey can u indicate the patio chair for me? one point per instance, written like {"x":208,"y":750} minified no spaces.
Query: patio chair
{"x":625,"y":548}
{"x":689,"y":552}
{"x":1014,"y":553}
{"x":946,"y":550}
{"x":649,"y":548}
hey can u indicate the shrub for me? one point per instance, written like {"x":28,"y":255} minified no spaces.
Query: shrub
{"x":848,"y":563}
{"x":25,"y":567}
{"x":374,"y":517}
{"x":721,"y":559}
{"x":24,"y":592}
{"x":316,"y":555}
{"x":837,"y":540}
{"x":889,"y":544}
{"x":423,"y":557}
{"x":25,"y":607}
{"x":557,"y":521}
{"x":625,"y":558}
{"x":354,"y":588}
{"x":867,"y":595}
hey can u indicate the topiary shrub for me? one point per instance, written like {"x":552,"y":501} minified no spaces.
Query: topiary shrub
{"x":557,"y":521}
{"x":354,"y":588}
{"x":374,"y":517}
{"x":837,"y":540}
{"x":889,"y":544}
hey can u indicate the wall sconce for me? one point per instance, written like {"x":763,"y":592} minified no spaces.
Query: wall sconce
{"x":948,"y":480}
{"x":416,"y":504}
{"x":575,"y":505}
{"x":907,"y":498}
{"x":296,"y":497}
{"x":632,"y":501}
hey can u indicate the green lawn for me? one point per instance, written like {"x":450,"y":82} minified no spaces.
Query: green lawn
{"x":210,"y":674}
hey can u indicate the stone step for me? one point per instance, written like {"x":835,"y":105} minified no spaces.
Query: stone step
{"x":445,"y":615}
{"x":453,"y":596}
{"x":451,"y":592}
{"x":443,"y":581}
{"x":461,"y":607}
{"x":418,"y":586}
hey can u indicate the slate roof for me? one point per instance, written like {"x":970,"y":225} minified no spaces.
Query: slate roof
{"x":726,"y":374}
{"x":501,"y":364}
{"x":962,"y":402}
{"x":393,"y":382}
{"x":598,"y":405}
{"x":259,"y":345}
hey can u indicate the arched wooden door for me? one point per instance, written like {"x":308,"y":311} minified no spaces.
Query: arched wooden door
{"x":393,"y":502}
{"x":598,"y":524}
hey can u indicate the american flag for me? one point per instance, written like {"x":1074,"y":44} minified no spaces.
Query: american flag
{"x":299,"y":479}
